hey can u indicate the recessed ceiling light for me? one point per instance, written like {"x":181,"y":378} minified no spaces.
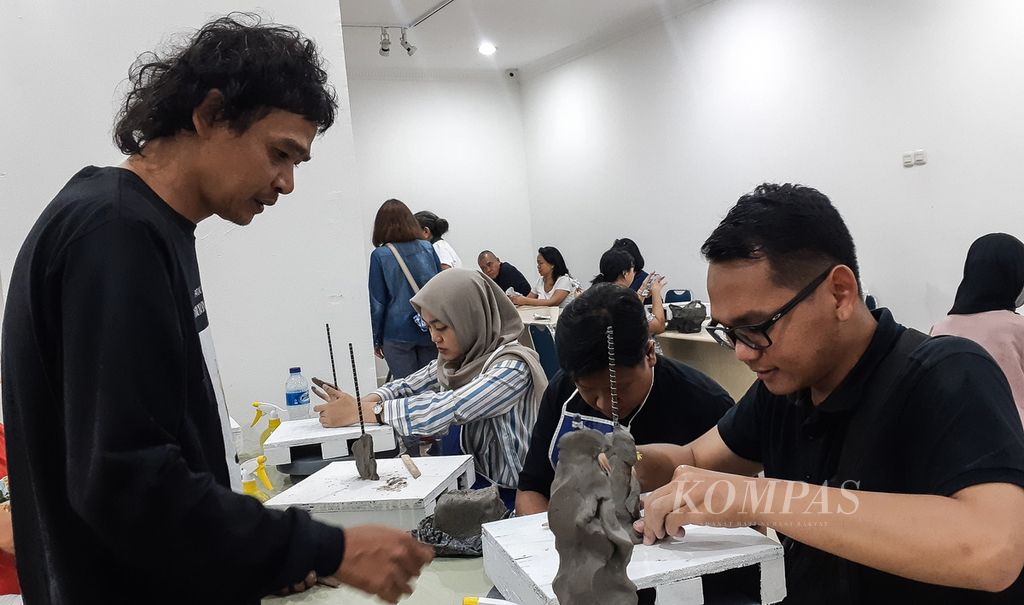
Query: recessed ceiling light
{"x":487,"y":49}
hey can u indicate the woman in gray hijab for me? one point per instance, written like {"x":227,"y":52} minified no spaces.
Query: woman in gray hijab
{"x":482,"y":380}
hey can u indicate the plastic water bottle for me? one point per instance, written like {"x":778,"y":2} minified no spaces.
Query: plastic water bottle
{"x":296,"y":393}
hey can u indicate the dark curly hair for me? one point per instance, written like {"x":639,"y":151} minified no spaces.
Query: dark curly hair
{"x":257,"y":67}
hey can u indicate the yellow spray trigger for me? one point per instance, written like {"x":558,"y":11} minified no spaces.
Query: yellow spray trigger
{"x":261,"y":472}
{"x":259,"y":413}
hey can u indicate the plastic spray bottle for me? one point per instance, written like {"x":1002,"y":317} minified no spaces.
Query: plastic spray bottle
{"x":251,"y":469}
{"x":273,"y":418}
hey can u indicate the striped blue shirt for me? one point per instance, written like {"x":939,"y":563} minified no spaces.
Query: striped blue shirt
{"x":493,"y":409}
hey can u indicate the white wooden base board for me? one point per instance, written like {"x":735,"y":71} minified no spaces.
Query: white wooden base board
{"x":337,"y":496}
{"x":236,"y":435}
{"x":333,"y":442}
{"x":520,"y":558}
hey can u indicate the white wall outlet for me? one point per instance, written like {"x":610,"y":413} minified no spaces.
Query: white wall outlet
{"x":908,"y":159}
{"x":920,"y":157}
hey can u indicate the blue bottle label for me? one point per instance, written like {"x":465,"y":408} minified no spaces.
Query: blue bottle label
{"x":297,"y":397}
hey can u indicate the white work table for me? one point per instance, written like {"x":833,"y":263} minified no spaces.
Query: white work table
{"x":538,"y":316}
{"x":443,"y":582}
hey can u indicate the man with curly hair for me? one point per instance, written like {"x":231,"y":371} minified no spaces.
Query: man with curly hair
{"x":118,"y":430}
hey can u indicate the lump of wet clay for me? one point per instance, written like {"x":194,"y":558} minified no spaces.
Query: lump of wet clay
{"x":460,"y":513}
{"x":366,"y":462}
{"x":593,"y":546}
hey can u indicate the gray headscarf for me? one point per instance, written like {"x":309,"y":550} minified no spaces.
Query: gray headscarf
{"x":484,"y":320}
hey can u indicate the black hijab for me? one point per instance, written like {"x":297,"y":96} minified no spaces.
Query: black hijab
{"x":993,"y":275}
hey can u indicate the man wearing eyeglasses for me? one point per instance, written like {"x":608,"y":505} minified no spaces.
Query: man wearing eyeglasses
{"x":893,"y":463}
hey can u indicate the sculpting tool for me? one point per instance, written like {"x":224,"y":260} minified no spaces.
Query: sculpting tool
{"x":411,"y":466}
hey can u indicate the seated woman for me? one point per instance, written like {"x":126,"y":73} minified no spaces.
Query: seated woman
{"x":489,"y":384}
{"x":617,"y":267}
{"x":985,"y":307}
{"x":555,"y":288}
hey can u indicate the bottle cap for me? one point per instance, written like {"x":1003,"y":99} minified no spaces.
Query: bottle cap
{"x":295,"y":370}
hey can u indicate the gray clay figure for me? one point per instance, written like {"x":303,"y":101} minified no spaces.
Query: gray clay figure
{"x":621,"y":452}
{"x":460,"y":513}
{"x":593,"y":546}
{"x":366,"y":463}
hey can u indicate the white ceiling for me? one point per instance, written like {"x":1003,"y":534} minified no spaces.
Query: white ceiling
{"x":528,"y":33}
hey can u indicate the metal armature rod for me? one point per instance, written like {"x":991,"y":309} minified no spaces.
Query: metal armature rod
{"x":355,"y":381}
{"x":330,"y":348}
{"x":610,"y":334}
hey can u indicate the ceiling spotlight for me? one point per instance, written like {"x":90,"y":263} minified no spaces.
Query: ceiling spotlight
{"x":409,"y":48}
{"x":487,"y":49}
{"x":385,"y":43}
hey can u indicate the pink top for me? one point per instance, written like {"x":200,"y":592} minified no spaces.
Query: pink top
{"x":1001,"y":333}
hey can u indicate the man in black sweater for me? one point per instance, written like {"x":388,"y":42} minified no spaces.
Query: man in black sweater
{"x":503,"y":274}
{"x":118,"y":437}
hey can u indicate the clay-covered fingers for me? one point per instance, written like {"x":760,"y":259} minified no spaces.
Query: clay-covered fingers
{"x":329,"y":390}
{"x":657,"y":507}
{"x":674,"y":522}
{"x":308,"y":582}
{"x":329,"y":581}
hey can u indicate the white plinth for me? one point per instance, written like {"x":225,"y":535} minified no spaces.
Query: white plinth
{"x":333,"y":442}
{"x":236,"y":434}
{"x":336,"y":495}
{"x":520,"y":558}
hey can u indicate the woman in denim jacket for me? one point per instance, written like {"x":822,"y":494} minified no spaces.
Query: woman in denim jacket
{"x":397,"y":337}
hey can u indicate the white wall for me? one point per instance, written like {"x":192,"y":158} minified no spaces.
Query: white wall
{"x":656,"y":136}
{"x":452,"y":145}
{"x":269,"y":287}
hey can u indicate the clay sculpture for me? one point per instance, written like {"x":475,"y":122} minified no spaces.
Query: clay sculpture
{"x":593,"y":546}
{"x":366,"y":462}
{"x":621,"y":453}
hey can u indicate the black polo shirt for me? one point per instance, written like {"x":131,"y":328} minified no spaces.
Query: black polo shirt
{"x":683,"y":404}
{"x":510,"y":277}
{"x":952,"y":423}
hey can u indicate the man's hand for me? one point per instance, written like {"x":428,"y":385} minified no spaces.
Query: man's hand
{"x":6,"y":530}
{"x":308,"y":582}
{"x":340,"y":407}
{"x":379,"y":352}
{"x":382,"y":561}
{"x":698,"y":497}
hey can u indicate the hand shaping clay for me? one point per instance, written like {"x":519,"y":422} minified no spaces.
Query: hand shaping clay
{"x":621,"y":452}
{"x":593,"y":546}
{"x":366,"y":463}
{"x":460,"y":513}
